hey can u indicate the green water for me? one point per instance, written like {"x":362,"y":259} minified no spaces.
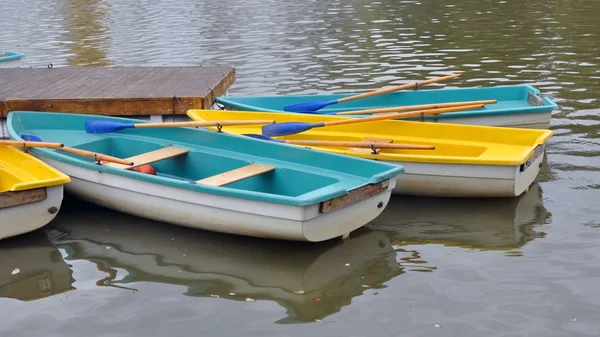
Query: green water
{"x":425,"y":267}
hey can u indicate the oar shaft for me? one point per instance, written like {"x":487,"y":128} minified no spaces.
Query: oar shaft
{"x":203,"y":123}
{"x":61,"y":147}
{"x":404,"y":115}
{"x":96,"y":156}
{"x":360,"y":144}
{"x":30,"y":144}
{"x":398,"y":87}
{"x":415,"y":107}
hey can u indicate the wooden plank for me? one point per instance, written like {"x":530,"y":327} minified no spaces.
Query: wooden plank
{"x":232,"y":176}
{"x":114,"y":90}
{"x":354,"y":196}
{"x":371,"y":140}
{"x":151,"y":157}
{"x":10,"y":199}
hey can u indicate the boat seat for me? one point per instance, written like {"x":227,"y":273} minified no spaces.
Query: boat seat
{"x":238,"y":174}
{"x":151,"y":157}
{"x":371,"y":140}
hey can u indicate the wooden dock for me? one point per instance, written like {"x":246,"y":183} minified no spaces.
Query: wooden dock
{"x":116,"y":91}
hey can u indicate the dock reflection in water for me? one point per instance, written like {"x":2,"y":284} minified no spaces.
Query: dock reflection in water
{"x":32,"y":267}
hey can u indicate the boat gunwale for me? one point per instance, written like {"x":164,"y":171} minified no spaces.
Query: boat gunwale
{"x":525,"y":109}
{"x":59,"y":178}
{"x":10,"y":55}
{"x":315,"y":196}
{"x":519,"y":159}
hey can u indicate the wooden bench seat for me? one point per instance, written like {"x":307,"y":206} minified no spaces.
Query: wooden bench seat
{"x":371,"y":140}
{"x":238,"y":174}
{"x":151,"y":157}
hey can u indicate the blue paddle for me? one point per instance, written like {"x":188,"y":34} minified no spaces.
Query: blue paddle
{"x":313,"y":106}
{"x":289,"y":128}
{"x":371,"y":145}
{"x":103,"y":126}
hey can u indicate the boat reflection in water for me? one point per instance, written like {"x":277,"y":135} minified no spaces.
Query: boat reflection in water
{"x":310,"y":280}
{"x":32,"y":267}
{"x":483,"y":224}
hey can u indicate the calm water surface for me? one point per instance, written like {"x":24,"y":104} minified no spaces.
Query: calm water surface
{"x":426,"y":267}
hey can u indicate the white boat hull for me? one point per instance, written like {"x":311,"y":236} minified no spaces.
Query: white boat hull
{"x":26,"y":218}
{"x":219,"y":213}
{"x":469,"y":181}
{"x":522,"y":121}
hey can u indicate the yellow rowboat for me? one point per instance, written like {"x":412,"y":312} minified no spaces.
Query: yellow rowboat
{"x":468,"y":160}
{"x":31,"y":192}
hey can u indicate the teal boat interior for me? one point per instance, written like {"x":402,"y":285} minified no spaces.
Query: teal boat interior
{"x":10,"y":55}
{"x":513,"y":99}
{"x":300,"y":177}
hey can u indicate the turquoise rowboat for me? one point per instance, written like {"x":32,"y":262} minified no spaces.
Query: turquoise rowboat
{"x":10,"y":59}
{"x":517,"y":106}
{"x":214,"y":181}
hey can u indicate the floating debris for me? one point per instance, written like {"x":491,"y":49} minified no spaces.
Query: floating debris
{"x":347,"y":264}
{"x":232,"y":294}
{"x":213,"y":295}
{"x":299,"y":292}
{"x":16,"y":271}
{"x":437,"y":325}
{"x":108,"y":247}
{"x":316,"y":299}
{"x":249,"y":299}
{"x":366,"y":286}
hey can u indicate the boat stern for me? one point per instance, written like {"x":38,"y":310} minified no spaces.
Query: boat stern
{"x":338,"y":217}
{"x":527,"y":172}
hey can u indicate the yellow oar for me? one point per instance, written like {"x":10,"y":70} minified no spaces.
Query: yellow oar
{"x":412,"y":107}
{"x":370,"y":145}
{"x":290,"y":128}
{"x":316,"y":105}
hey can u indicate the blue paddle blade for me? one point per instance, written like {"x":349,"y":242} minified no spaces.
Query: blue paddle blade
{"x":308,"y":106}
{"x":288,"y":128}
{"x":31,"y":138}
{"x":99,"y":126}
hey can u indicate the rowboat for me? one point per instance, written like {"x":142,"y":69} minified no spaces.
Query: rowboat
{"x":31,"y":192}
{"x":229,"y":268}
{"x":211,"y":180}
{"x":519,"y":106}
{"x":468,"y":161}
{"x":10,"y":59}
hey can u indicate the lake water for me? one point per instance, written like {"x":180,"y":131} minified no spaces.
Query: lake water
{"x":426,"y":267}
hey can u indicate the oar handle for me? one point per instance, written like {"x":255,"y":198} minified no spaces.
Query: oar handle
{"x":31,"y":144}
{"x":62,"y":147}
{"x":95,"y":156}
{"x":203,"y":123}
{"x":360,"y":144}
{"x":415,"y":107}
{"x":403,"y":115}
{"x":398,"y":87}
